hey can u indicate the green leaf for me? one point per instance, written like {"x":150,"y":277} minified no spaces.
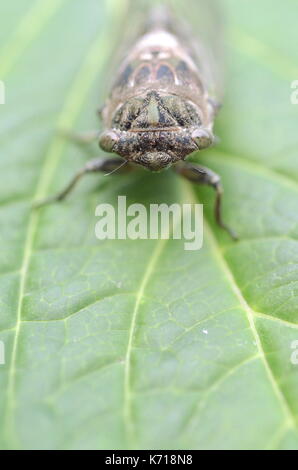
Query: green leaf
{"x":141,"y":344}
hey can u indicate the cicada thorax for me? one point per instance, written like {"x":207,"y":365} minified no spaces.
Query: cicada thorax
{"x":158,"y":104}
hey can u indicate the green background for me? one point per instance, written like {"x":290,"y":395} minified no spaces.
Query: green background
{"x":141,"y":344}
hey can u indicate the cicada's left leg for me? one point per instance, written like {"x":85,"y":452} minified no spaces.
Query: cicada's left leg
{"x":81,"y":138}
{"x":201,"y":175}
{"x":108,"y":166}
{"x":85,"y":137}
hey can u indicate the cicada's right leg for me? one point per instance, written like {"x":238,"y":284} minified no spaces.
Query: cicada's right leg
{"x":108,"y":166}
{"x":201,"y":175}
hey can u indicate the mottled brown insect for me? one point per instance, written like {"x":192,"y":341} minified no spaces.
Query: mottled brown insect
{"x":159,"y":110}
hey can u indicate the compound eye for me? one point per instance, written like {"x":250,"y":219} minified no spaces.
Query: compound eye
{"x":203,"y":138}
{"x":108,"y":140}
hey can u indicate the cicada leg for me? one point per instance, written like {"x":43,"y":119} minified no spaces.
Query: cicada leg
{"x":81,"y":138}
{"x":201,"y":175}
{"x":108,"y":166}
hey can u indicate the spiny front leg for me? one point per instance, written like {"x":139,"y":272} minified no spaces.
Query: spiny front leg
{"x":201,"y":175}
{"x":108,"y":166}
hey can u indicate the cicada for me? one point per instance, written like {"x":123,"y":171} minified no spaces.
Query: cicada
{"x":160,"y":108}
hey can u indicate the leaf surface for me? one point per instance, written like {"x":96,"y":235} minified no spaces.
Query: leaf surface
{"x":141,"y":344}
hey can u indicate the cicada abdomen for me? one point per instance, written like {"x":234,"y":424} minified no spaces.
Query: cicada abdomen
{"x":160,"y":109}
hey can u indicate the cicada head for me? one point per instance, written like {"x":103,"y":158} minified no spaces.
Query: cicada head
{"x":160,"y":109}
{"x":156,"y":131}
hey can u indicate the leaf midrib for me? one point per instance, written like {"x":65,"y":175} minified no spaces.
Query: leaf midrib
{"x":127,"y":400}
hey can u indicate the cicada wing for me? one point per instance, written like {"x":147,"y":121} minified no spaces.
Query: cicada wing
{"x":198,"y":22}
{"x":201,"y":23}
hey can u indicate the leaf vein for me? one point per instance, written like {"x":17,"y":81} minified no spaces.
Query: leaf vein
{"x":285,"y":405}
{"x":127,"y":401}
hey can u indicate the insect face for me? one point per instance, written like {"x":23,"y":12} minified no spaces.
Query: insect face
{"x":155,"y":161}
{"x":155,"y":149}
{"x":156,"y":131}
